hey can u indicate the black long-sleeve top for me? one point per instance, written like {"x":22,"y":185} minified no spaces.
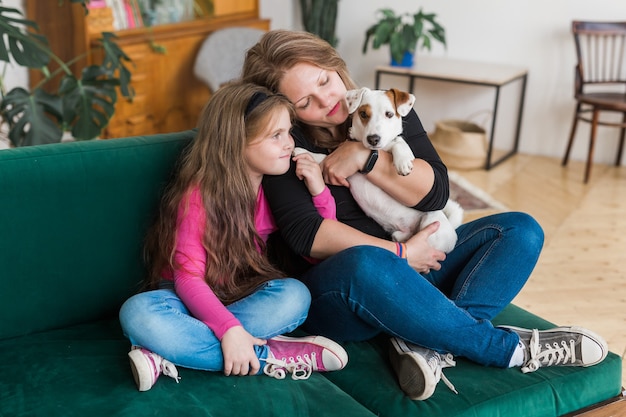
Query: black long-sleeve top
{"x":298,"y":219}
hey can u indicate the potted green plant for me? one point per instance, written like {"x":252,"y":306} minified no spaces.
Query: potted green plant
{"x":403,"y":33}
{"x":82,"y":105}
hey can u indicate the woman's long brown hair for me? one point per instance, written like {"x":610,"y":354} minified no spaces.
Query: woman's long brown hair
{"x":215,"y":163}
{"x":278,"y":51}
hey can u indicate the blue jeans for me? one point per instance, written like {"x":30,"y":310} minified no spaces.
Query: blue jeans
{"x":363,"y":291}
{"x":159,"y":321}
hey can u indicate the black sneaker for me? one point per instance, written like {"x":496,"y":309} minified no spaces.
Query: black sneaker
{"x":418,"y":369}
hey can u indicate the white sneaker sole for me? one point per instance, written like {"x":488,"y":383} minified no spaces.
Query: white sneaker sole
{"x":141,"y":370}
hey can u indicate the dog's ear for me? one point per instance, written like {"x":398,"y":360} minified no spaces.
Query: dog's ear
{"x":353,"y":97}
{"x":403,"y":101}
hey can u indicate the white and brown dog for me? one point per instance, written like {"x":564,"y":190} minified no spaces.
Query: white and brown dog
{"x":377,"y":124}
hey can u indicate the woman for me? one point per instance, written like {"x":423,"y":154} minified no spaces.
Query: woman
{"x":216,"y":303}
{"x":429,"y":303}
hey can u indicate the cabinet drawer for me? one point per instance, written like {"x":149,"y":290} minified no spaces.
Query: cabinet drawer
{"x":226,"y":7}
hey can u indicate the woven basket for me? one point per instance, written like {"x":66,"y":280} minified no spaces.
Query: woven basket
{"x":460,"y":144}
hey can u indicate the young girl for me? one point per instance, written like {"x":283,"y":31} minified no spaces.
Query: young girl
{"x":216,"y":303}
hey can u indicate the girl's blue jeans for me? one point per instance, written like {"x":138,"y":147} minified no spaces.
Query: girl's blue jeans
{"x":159,"y":321}
{"x":363,"y":291}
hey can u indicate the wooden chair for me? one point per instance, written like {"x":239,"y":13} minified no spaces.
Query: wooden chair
{"x":600,"y":84}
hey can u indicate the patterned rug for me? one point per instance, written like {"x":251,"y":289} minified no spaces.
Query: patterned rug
{"x":470,"y":197}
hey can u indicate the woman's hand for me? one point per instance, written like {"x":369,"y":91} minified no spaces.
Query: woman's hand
{"x":310,"y":172}
{"x":421,"y":256}
{"x":348,"y":158}
{"x":238,"y":350}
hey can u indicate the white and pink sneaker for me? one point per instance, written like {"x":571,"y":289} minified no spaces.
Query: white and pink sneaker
{"x":147,"y":366}
{"x":301,"y":356}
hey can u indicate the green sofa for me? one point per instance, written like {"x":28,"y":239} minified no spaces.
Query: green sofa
{"x":72,"y":220}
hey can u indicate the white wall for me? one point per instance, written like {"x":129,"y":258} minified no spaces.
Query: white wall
{"x":531,"y":33}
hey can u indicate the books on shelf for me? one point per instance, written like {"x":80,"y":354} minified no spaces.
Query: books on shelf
{"x":128,"y":14}
{"x":96,"y":4}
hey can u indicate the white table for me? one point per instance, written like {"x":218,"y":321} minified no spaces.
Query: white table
{"x":467,"y":72}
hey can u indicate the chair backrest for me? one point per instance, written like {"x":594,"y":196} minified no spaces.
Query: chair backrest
{"x":601,"y":53}
{"x":221,"y":56}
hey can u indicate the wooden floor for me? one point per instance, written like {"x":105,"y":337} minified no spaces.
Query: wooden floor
{"x":580,"y":278}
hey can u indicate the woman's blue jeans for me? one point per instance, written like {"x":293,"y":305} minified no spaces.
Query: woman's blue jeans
{"x":159,"y":321}
{"x":363,"y":291}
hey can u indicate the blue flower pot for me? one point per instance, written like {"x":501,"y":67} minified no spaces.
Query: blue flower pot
{"x":407,"y":60}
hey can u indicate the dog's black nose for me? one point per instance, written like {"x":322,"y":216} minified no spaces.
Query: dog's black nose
{"x":373,"y":139}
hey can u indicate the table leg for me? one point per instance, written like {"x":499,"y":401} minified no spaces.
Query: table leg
{"x":493,"y":129}
{"x":489,"y":164}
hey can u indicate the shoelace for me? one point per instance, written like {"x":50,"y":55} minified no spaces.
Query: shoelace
{"x":548,"y":354}
{"x":169,"y":369}
{"x":444,"y":361}
{"x":300,"y":367}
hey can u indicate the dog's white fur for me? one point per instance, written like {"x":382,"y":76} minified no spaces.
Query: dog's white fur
{"x":377,"y":123}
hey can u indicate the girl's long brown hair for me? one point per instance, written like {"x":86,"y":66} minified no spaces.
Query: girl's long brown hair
{"x":278,"y":51}
{"x":215,"y":163}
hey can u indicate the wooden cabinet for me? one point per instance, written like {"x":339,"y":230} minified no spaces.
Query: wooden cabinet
{"x":168,"y":96}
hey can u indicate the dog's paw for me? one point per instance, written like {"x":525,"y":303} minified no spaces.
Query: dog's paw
{"x":404,"y":167}
{"x":401,"y":235}
{"x":442,"y":241}
{"x":317,"y":157}
{"x":299,"y":151}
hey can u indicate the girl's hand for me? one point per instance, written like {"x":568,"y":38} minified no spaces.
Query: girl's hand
{"x":349,"y":158}
{"x":421,"y":256}
{"x":238,"y":350}
{"x":310,"y":172}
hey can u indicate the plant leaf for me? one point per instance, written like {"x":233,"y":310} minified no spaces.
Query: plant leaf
{"x":114,"y":58}
{"x":27,"y":115}
{"x":397,"y":46}
{"x":418,"y":29}
{"x":388,"y":13}
{"x":89,"y":103}
{"x":439,"y":34}
{"x":409,"y":38}
{"x":383,"y":34}
{"x":368,"y":34}
{"x":27,"y":48}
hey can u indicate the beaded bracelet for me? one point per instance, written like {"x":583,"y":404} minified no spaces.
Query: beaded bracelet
{"x":401,"y":250}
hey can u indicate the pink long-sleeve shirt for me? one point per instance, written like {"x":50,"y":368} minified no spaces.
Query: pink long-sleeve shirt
{"x":189,"y":282}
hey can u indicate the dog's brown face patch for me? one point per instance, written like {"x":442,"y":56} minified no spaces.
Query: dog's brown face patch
{"x":397,"y":97}
{"x":365,"y":113}
{"x":391,"y":94}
